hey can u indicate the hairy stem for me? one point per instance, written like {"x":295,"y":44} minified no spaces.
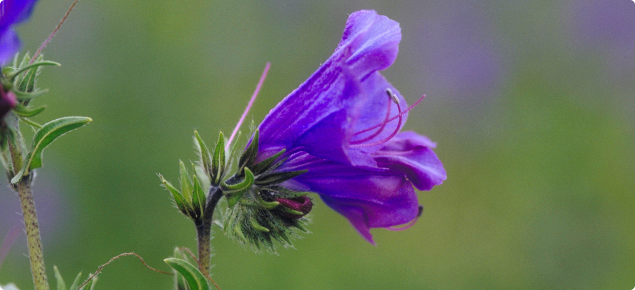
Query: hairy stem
{"x":33,"y":235}
{"x":23,"y":187}
{"x":204,"y":229}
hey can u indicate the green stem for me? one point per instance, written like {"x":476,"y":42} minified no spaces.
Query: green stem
{"x":204,"y":230}
{"x":23,"y":187}
{"x":33,"y":235}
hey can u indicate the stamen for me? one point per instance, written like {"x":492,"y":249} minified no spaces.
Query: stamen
{"x":381,"y":129}
{"x":385,"y":139}
{"x":395,"y":117}
{"x":251,"y":102}
{"x":410,"y":224}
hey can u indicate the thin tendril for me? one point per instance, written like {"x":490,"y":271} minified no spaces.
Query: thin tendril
{"x":408,"y":225}
{"x":117,"y":257}
{"x":39,"y":50}
{"x":251,"y":102}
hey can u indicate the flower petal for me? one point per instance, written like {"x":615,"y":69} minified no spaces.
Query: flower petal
{"x":12,"y":12}
{"x":9,"y":45}
{"x":368,"y":199}
{"x":412,"y":155}
{"x":332,"y":97}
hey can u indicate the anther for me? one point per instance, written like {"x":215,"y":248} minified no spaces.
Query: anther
{"x":392,"y":96}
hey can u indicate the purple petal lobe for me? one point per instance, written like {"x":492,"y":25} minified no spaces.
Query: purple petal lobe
{"x":343,"y":84}
{"x":412,"y":155}
{"x":12,"y":12}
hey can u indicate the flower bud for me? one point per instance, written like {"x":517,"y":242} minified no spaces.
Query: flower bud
{"x":294,"y":208}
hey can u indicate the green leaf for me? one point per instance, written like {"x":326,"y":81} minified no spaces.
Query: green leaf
{"x":206,"y":156}
{"x":202,"y":178}
{"x":257,"y":226}
{"x":31,"y":66}
{"x":186,"y":183}
{"x":178,"y":197}
{"x":198,"y":198}
{"x":195,"y":279}
{"x":218,"y":163}
{"x":24,"y":111}
{"x":60,"y":281}
{"x":179,"y":281}
{"x":265,"y":164}
{"x":27,"y":96}
{"x":248,"y":157}
{"x":77,"y":282}
{"x":235,"y":192}
{"x":277,"y":177}
{"x":44,"y":137}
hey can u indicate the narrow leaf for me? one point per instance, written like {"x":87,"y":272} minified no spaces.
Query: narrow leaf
{"x":186,"y":183}
{"x":206,"y":156}
{"x":24,"y":111}
{"x":257,"y":226}
{"x":218,"y":162}
{"x":248,"y":157}
{"x":44,"y":137}
{"x":236,"y":191}
{"x":277,"y":177}
{"x":31,"y":66}
{"x":77,"y":282}
{"x":60,"y":281}
{"x":192,"y":275}
{"x":27,"y":96}
{"x":198,"y":198}
{"x":265,"y":164}
{"x":178,"y":197}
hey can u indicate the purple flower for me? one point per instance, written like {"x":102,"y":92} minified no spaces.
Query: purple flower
{"x":342,"y":126}
{"x":12,"y":12}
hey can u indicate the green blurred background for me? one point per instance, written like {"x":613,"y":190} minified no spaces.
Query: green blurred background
{"x":531,"y":104}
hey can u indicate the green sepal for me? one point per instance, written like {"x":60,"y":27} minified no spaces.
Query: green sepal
{"x":249,"y":156}
{"x":77,"y":282}
{"x":60,"y":281}
{"x":269,"y":205}
{"x":299,"y":226}
{"x":286,"y":193}
{"x":288,"y":210}
{"x":206,"y":156}
{"x":195,"y":279}
{"x":218,"y":162}
{"x":44,"y":137}
{"x":257,"y":226}
{"x":198,"y":198}
{"x":27,"y":96}
{"x":265,"y":164}
{"x":178,"y":197}
{"x":31,"y":66}
{"x":24,"y":111}
{"x":235,"y":192}
{"x":27,"y":84}
{"x":202,"y":178}
{"x":186,"y":183}
{"x":278,"y":177}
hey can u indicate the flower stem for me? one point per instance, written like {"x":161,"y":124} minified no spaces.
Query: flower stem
{"x":23,"y":187}
{"x":33,"y":235}
{"x":204,"y":230}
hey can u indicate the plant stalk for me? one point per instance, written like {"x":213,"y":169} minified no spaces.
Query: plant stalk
{"x":23,"y":187}
{"x":204,"y":230}
{"x":33,"y":235}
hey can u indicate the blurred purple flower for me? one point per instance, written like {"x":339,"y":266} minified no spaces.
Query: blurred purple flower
{"x":12,"y":12}
{"x":7,"y":102}
{"x":342,"y":125}
{"x":460,"y":58}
